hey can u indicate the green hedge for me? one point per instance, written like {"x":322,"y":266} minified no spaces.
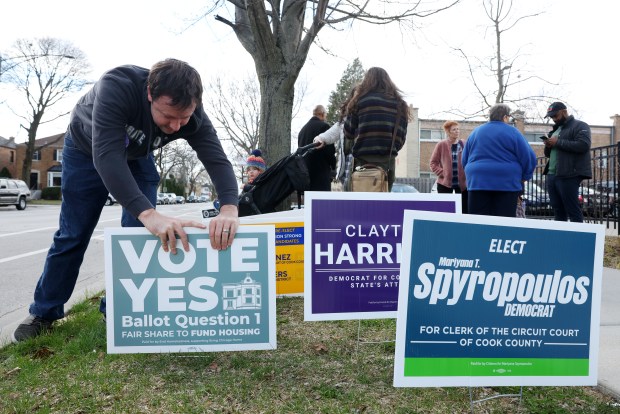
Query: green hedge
{"x":50,"y":193}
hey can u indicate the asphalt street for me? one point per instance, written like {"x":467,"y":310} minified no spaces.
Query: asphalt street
{"x":25,"y":237}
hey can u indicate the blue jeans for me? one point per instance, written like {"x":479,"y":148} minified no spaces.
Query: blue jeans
{"x":83,"y":198}
{"x":564,"y":198}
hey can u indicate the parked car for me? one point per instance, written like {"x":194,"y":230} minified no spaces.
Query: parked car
{"x":203,"y":199}
{"x":110,"y":200}
{"x":610,"y":187}
{"x":593,"y":203}
{"x":180,"y":200}
{"x":172,"y":198}
{"x":610,"y":190}
{"x":192,"y":199}
{"x":162,"y":198}
{"x":536,"y":204}
{"x":403,"y":188}
{"x":15,"y":192}
{"x":536,"y":200}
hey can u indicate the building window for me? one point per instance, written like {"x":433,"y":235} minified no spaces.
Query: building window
{"x":36,"y":156}
{"x":53,"y":179}
{"x":12,"y":157}
{"x":431,"y":135}
{"x":58,"y":155}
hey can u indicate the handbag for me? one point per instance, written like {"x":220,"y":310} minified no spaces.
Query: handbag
{"x":370,"y":178}
{"x":373,"y":178}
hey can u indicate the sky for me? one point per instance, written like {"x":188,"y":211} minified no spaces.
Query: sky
{"x":572,"y":44}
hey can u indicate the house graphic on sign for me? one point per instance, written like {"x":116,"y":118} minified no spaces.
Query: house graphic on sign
{"x":243,"y":295}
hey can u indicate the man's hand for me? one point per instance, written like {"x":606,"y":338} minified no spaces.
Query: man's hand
{"x":167,"y":228}
{"x":223,"y":227}
{"x":550,"y":142}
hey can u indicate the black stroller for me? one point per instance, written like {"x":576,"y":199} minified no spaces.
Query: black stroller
{"x":277,"y":182}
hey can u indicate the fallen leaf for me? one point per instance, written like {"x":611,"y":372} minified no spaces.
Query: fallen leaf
{"x":43,"y":353}
{"x":13,"y":371}
{"x":320,"y":348}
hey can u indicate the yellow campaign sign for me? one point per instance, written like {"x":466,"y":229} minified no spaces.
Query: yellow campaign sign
{"x":289,"y":258}
{"x":289,"y":255}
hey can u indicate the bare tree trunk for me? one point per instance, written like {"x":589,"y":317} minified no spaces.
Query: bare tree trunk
{"x":30,"y":149}
{"x":27,"y":167}
{"x":277,"y":97}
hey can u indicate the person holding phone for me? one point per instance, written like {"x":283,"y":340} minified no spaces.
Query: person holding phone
{"x":567,"y":147}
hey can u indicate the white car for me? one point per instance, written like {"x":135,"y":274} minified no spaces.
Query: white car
{"x":14,"y":192}
{"x":403,"y":188}
{"x":172,"y":198}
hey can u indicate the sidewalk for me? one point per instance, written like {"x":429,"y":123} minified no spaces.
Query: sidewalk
{"x":609,"y":348}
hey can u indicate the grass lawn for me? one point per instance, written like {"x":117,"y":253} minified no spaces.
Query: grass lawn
{"x":319,"y":367}
{"x":42,"y":202}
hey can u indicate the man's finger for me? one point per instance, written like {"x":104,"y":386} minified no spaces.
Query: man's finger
{"x":231,"y":237}
{"x":184,"y":241}
{"x":164,"y":243}
{"x":192,"y":223}
{"x":172,"y":241}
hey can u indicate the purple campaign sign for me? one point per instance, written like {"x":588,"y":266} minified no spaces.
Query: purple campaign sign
{"x":353,"y":251}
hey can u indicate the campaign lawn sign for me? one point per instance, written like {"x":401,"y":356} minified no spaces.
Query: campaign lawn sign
{"x":289,"y":249}
{"x":203,"y":300}
{"x":353,"y":251}
{"x":495,"y":301}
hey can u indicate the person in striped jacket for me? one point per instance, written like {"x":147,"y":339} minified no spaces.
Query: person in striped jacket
{"x":375,"y":112}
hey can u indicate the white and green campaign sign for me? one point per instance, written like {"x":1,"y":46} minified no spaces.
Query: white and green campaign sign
{"x":202,"y":300}
{"x":487,"y":301}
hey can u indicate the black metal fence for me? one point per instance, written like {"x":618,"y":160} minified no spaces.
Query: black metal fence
{"x":598,"y":196}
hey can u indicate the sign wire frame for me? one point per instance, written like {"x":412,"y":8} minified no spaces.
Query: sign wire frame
{"x":472,"y":402}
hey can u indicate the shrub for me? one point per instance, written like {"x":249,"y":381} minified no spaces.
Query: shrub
{"x":50,"y":193}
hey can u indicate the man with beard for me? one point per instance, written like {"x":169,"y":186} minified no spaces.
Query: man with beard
{"x":567,"y":146}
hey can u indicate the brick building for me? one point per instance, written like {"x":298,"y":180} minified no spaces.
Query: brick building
{"x":46,"y":162}
{"x":8,"y":156}
{"x":423,"y":134}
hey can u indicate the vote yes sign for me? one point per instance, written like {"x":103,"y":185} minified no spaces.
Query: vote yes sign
{"x":194,"y":301}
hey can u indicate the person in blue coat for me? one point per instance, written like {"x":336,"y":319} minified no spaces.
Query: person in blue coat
{"x":497,"y":160}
